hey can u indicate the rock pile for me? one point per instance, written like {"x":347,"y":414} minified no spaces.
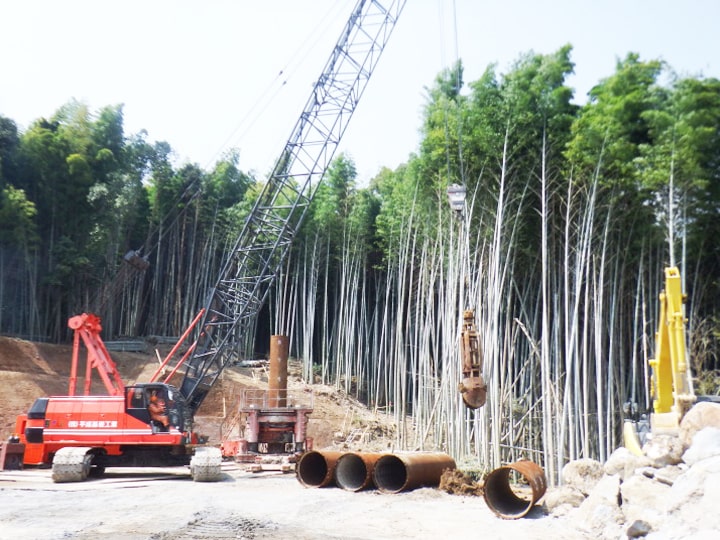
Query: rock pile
{"x":670,"y":492}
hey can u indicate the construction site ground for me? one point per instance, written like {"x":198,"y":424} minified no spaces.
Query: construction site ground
{"x":165,"y":503}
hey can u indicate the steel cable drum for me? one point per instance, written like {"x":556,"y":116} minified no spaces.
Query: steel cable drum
{"x":505,"y":501}
{"x":317,"y":469}
{"x":405,"y":471}
{"x":354,"y":471}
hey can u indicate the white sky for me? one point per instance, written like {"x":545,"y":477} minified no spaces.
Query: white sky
{"x":204,"y":75}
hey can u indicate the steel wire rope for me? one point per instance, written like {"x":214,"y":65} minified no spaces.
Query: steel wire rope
{"x":463,"y":255}
{"x":266,"y":98}
{"x":461,"y":163}
{"x":195,"y":187}
{"x":272,"y":90}
{"x":103,"y":296}
{"x":270,"y":93}
{"x":458,"y":82}
{"x":179,"y":206}
{"x":446,"y":113}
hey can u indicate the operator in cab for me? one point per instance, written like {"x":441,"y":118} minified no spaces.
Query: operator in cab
{"x":158,"y":411}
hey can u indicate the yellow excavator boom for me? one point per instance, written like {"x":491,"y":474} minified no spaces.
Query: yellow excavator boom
{"x":671,"y":386}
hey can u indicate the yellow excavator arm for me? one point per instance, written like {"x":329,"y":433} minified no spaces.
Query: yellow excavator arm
{"x":671,"y":386}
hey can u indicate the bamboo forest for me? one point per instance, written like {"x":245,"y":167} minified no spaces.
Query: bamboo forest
{"x":572,"y":212}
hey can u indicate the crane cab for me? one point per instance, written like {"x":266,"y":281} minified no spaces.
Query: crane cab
{"x":141,"y":399}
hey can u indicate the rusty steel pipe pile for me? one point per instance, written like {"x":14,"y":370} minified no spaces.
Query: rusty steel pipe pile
{"x":406,"y":471}
{"x":503,"y":500}
{"x":317,"y":469}
{"x":354,"y":470}
{"x":390,"y":473}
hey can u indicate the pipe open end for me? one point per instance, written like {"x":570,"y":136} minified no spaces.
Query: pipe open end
{"x":511,"y":491}
{"x":314,"y":469}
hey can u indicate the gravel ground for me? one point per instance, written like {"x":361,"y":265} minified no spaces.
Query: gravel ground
{"x":165,"y":504}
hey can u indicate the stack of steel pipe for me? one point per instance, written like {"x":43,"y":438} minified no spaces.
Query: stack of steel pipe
{"x":502,"y":499}
{"x":390,"y":473}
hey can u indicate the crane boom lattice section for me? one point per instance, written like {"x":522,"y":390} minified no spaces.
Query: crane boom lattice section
{"x":271,"y":226}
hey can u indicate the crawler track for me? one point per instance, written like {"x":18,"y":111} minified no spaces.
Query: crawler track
{"x":71,"y":464}
{"x":205,"y":465}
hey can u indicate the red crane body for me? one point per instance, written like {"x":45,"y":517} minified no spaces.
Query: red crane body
{"x":106,"y":422}
{"x":119,"y":429}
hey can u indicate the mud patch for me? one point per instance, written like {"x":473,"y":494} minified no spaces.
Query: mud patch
{"x":457,"y":482}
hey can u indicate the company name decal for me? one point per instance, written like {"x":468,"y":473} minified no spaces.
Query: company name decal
{"x":92,"y":424}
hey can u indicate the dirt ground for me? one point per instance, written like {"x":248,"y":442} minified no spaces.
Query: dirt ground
{"x":165,"y":504}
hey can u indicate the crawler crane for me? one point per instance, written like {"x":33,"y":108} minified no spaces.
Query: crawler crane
{"x":81,"y":435}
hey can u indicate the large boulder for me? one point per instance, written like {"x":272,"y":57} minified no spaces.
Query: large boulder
{"x":692,"y":500}
{"x":664,"y":449}
{"x":560,"y":500}
{"x":644,"y":499}
{"x":670,"y":493}
{"x":701,"y":415}
{"x":624,"y":463}
{"x":600,"y":513}
{"x":582,"y":474}
{"x":705,"y":444}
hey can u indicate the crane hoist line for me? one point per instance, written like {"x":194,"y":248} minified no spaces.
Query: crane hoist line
{"x":152,"y":423}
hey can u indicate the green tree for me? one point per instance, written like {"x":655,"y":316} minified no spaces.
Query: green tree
{"x":397,"y":192}
{"x":18,"y":245}
{"x":441,"y":147}
{"x":108,"y":149}
{"x":680,"y":163}
{"x":333,"y":201}
{"x":9,"y":144}
{"x":610,"y":129}
{"x":607,"y":139}
{"x":225,"y":188}
{"x":17,"y":219}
